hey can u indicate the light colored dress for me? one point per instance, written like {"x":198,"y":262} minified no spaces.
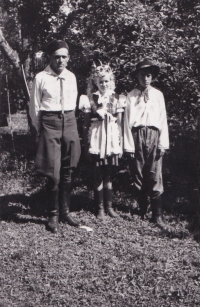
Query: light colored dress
{"x":105,"y":133}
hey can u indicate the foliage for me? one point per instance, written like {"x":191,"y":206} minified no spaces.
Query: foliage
{"x":122,"y":33}
{"x":25,"y":24}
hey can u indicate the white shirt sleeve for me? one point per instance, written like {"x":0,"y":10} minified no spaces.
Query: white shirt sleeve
{"x":74,"y":91}
{"x":164,"y":134}
{"x":35,"y":103}
{"x":129,"y":145}
{"x":84,"y":104}
{"x":121,"y":103}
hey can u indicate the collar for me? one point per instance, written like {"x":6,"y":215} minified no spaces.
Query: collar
{"x":108,"y":93}
{"x":50,"y":71}
{"x":145,"y":90}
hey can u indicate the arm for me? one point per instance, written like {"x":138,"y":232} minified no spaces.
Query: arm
{"x":74,"y":91}
{"x":84,"y":105}
{"x":164,"y":134}
{"x":129,"y":145}
{"x":35,"y":103}
{"x":119,"y":123}
{"x":120,"y":118}
{"x":86,"y":126}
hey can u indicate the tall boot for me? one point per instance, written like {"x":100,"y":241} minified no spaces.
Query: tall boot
{"x":141,"y":198}
{"x":53,"y":211}
{"x":143,"y":203}
{"x":157,"y":214}
{"x":108,"y":199}
{"x":65,"y":217}
{"x":98,"y":198}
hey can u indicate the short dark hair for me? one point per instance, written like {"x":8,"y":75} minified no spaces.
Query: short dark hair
{"x":54,"y":45}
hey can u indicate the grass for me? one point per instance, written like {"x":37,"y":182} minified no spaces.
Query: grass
{"x":122,"y":262}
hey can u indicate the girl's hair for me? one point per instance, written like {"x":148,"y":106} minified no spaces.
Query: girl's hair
{"x":99,"y":72}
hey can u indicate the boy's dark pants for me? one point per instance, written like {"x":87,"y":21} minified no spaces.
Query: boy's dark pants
{"x":59,"y":144}
{"x":145,"y":169}
{"x":57,"y":156}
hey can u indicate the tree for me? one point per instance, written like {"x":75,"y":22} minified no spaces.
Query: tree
{"x":119,"y":32}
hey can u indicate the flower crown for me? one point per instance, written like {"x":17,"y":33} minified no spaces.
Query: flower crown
{"x":101,"y":69}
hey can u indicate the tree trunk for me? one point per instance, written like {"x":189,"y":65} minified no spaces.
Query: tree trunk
{"x":13,"y":58}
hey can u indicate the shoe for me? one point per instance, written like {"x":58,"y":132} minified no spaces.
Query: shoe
{"x":111,"y":211}
{"x":157,"y":216}
{"x":65,"y":217}
{"x":101,"y":213}
{"x":52,"y":224}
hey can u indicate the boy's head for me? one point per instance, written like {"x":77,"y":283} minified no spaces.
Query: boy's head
{"x":58,"y":53}
{"x":145,"y":72}
{"x":144,"y":77}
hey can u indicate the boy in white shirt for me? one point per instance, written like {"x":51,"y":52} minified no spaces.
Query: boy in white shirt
{"x":52,"y":110}
{"x":146,"y":139}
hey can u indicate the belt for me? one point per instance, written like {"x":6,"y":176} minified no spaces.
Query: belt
{"x":140,"y":127}
{"x":55,"y":112}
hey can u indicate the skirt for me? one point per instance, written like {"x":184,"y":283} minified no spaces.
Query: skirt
{"x":112,"y":160}
{"x":107,"y":138}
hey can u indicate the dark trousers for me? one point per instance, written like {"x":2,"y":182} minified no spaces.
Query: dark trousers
{"x":145,"y":170}
{"x":66,"y":176}
{"x":59,"y":144}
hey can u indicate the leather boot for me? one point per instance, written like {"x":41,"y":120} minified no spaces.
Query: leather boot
{"x":65,"y":217}
{"x":108,"y":199}
{"x":143,"y":204}
{"x":141,"y":198}
{"x":98,"y":198}
{"x":53,"y":211}
{"x":110,"y":210}
{"x":157,"y":214}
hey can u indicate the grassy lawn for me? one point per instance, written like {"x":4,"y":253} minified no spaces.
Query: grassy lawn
{"x":121,"y":262}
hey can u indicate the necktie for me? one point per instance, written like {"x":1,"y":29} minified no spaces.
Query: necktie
{"x":144,"y":94}
{"x":61,"y":94}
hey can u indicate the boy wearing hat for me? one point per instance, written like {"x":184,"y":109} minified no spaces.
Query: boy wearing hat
{"x":52,"y":106}
{"x":146,"y":139}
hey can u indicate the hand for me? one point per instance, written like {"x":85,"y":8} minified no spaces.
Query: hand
{"x":159,"y":153}
{"x":101,"y":113}
{"x":37,"y":137}
{"x":35,"y":134}
{"x":129,"y":155}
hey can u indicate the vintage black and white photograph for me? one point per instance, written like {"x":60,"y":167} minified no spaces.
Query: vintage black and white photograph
{"x":99,"y":153}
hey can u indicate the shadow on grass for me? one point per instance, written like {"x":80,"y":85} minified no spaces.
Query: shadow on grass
{"x":33,"y":208}
{"x":23,"y":208}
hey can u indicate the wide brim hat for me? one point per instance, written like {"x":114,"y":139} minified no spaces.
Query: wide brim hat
{"x":146,"y":64}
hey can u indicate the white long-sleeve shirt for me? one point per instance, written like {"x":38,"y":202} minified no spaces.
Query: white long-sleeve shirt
{"x":139,"y":113}
{"x":46,"y":96}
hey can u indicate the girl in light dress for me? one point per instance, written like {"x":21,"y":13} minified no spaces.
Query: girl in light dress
{"x":102,"y":133}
